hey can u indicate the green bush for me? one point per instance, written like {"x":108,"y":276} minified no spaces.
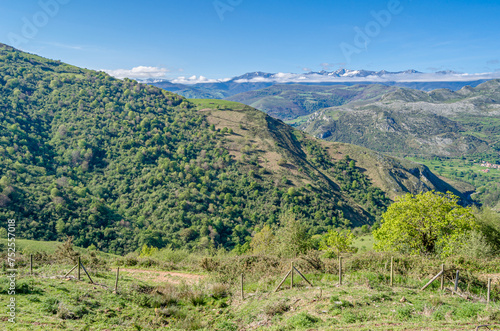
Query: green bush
{"x":226,"y":326}
{"x":404,"y":313}
{"x":278,"y":308}
{"x":50,"y":305}
{"x":303,"y":320}
{"x":467,"y":310}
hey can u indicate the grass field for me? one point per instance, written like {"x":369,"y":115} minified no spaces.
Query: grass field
{"x":216,"y":104}
{"x":459,"y":169}
{"x":209,"y":297}
{"x":487,"y":185}
{"x":365,"y":301}
{"x":364,"y":243}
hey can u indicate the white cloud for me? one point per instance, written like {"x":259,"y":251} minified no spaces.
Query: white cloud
{"x":140,"y":72}
{"x":198,"y":80}
{"x":399,"y":77}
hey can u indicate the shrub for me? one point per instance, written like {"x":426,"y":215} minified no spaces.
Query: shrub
{"x":50,"y":305}
{"x":475,"y":245}
{"x":220,"y":291}
{"x":276,"y":308}
{"x":349,"y":317}
{"x":404,"y":313}
{"x":304,"y":320}
{"x":196,"y":298}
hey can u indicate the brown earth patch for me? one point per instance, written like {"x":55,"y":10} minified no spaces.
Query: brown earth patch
{"x":159,"y":276}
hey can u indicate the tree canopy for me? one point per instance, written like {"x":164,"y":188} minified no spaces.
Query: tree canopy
{"x":425,"y":223}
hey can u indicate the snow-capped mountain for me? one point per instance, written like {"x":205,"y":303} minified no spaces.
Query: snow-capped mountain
{"x":200,"y":86}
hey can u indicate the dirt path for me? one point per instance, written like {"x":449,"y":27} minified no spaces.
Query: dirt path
{"x":159,"y":276}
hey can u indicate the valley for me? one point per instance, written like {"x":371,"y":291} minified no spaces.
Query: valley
{"x":181,"y":197}
{"x":134,"y":165}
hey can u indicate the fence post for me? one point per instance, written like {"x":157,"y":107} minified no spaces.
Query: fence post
{"x":31,"y":264}
{"x":442,"y":277}
{"x":392,"y":271}
{"x":489,"y":291}
{"x":432,"y":280}
{"x":340,"y":270}
{"x":116,"y":281}
{"x":242,"y":293}
{"x":291,"y":277}
{"x":456,"y":280}
{"x":79,"y":264}
{"x":66,"y":275}
{"x":83,"y":267}
{"x":281,"y":283}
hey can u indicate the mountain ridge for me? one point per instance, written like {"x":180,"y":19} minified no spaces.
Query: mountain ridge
{"x":440,"y":121}
{"x":117,"y":164}
{"x":194,"y":87}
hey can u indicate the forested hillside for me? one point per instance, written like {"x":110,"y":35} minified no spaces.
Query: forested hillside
{"x":411,"y":122}
{"x":287,"y":102}
{"x":118,"y":164}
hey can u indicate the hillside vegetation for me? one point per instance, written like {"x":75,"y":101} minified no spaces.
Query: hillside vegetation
{"x":211,"y":299}
{"x":287,"y":102}
{"x":118,"y":165}
{"x":411,"y":122}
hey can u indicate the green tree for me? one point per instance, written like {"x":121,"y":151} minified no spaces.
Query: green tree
{"x":263,"y":241}
{"x":292,"y":236}
{"x":335,"y":242}
{"x":425,"y":223}
{"x":148,"y":251}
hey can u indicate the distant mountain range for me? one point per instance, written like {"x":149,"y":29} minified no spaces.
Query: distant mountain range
{"x":201,"y":87}
{"x":411,"y":122}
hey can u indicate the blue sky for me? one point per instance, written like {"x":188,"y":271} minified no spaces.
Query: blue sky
{"x":225,"y":38}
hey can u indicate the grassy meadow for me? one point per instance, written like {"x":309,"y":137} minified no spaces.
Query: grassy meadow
{"x":178,"y":290}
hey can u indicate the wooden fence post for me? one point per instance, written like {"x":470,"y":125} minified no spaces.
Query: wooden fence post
{"x":31,"y":264}
{"x":76,"y":265}
{"x":286,"y":276}
{"x":489,"y":291}
{"x":83,"y":267}
{"x":340,"y":270}
{"x":392,"y":271}
{"x":303,"y":277}
{"x":291,"y":276}
{"x":79,"y":264}
{"x":432,"y":280}
{"x":456,"y":280}
{"x":242,"y":293}
{"x":116,"y":281}
{"x":442,"y":277}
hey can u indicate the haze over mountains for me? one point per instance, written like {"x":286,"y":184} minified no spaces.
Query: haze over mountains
{"x":202,"y":87}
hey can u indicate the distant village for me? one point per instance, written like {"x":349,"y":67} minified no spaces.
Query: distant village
{"x":489,"y":166}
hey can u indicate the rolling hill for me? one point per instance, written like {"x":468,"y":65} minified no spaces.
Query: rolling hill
{"x":118,"y":164}
{"x":411,"y":122}
{"x":287,"y":102}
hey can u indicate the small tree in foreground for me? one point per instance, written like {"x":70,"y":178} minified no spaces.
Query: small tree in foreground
{"x":425,"y":223}
{"x":334,"y":243}
{"x":66,"y":251}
